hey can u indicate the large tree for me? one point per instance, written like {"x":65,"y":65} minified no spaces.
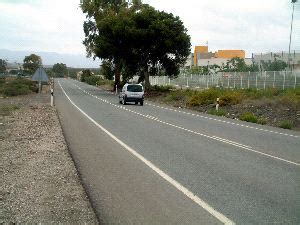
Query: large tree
{"x":60,"y":69}
{"x":160,"y":42}
{"x":31,"y":63}
{"x":135,"y":38}
{"x":3,"y":66}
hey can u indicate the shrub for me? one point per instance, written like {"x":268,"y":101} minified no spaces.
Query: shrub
{"x":231,"y":98}
{"x":158,"y":88}
{"x":286,"y":124}
{"x":221,"y":112}
{"x":249,"y":117}
{"x":178,"y":95}
{"x":6,"y":110}
{"x":203,"y":97}
{"x":262,"y":121}
{"x":92,"y":80}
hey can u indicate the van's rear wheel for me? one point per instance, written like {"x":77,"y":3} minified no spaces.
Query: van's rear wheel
{"x":142,"y":102}
{"x":124,"y":101}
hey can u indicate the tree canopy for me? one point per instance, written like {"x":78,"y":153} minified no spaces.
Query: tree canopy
{"x":60,"y":69}
{"x":135,"y":38}
{"x":31,"y":63}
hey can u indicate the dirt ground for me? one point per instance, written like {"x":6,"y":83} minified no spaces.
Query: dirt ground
{"x":39,"y":182}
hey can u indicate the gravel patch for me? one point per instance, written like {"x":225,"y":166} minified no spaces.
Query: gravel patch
{"x":39,"y":182}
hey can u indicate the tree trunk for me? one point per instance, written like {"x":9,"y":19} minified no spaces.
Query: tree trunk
{"x":147,"y":82}
{"x":117,"y":77}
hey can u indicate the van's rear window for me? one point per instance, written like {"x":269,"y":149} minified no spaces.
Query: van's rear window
{"x":134,"y":88}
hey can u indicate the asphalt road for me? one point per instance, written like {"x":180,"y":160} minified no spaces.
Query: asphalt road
{"x":153,"y":164}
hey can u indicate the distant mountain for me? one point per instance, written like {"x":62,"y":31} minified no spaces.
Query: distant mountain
{"x":50,"y":58}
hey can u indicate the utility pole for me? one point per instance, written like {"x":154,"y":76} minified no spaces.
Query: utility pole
{"x":289,"y":59}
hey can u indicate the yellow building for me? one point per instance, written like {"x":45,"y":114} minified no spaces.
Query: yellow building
{"x":229,"y":54}
{"x":199,"y":50}
{"x":201,"y":54}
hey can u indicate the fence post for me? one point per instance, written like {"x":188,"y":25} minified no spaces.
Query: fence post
{"x":295,"y":81}
{"x":249,"y":80}
{"x":265,"y":80}
{"x":206,"y":82}
{"x":283,"y":85}
{"x":187,"y":82}
{"x":274,"y":79}
{"x":234,"y":76}
{"x":256,"y":80}
{"x":164,"y":80}
{"x":228,"y":81}
{"x":241,"y":77}
{"x":169,"y":81}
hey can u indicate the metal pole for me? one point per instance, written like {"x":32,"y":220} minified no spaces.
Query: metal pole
{"x":234,"y":76}
{"x":265,"y":80}
{"x":293,"y":2}
{"x":283,"y":85}
{"x":274,"y":79}
{"x":295,"y":81}
{"x":249,"y":80}
{"x":256,"y":81}
{"x":241,"y":77}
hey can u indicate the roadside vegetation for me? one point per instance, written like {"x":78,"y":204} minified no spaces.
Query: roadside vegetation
{"x":272,"y":106}
{"x":11,"y":86}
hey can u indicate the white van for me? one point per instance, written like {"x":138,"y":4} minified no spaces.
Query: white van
{"x":132,"y":93}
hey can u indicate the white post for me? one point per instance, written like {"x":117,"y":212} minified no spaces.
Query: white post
{"x":217,"y":105}
{"x":164,"y":80}
{"x":51,"y":91}
{"x":116,"y":89}
{"x":169,"y":81}
{"x":274,"y":80}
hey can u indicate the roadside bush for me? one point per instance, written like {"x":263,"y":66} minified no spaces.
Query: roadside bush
{"x":261,"y":121}
{"x":178,"y":95}
{"x":221,"y":112}
{"x":158,"y":88}
{"x":92,"y":80}
{"x":231,"y":98}
{"x":18,"y":86}
{"x":205,"y":97}
{"x":7,"y":109}
{"x":286,"y":124}
{"x":249,"y":117}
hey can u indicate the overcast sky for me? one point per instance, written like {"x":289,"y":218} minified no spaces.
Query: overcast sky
{"x":56,"y":25}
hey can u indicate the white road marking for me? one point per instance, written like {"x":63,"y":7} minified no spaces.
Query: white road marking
{"x":161,"y":173}
{"x":223,"y":121}
{"x":236,"y":144}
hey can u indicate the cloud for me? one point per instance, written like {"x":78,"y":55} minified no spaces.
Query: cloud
{"x":56,"y":25}
{"x":42,"y":25}
{"x":255,"y":26}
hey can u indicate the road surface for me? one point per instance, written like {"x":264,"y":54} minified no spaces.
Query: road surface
{"x":153,"y":164}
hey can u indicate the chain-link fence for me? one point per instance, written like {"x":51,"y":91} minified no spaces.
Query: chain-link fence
{"x":240,"y":80}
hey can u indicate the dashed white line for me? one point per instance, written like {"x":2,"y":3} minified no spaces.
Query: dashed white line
{"x":223,"y":121}
{"x":222,"y":218}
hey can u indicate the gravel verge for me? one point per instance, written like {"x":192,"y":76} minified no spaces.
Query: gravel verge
{"x":39,"y":182}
